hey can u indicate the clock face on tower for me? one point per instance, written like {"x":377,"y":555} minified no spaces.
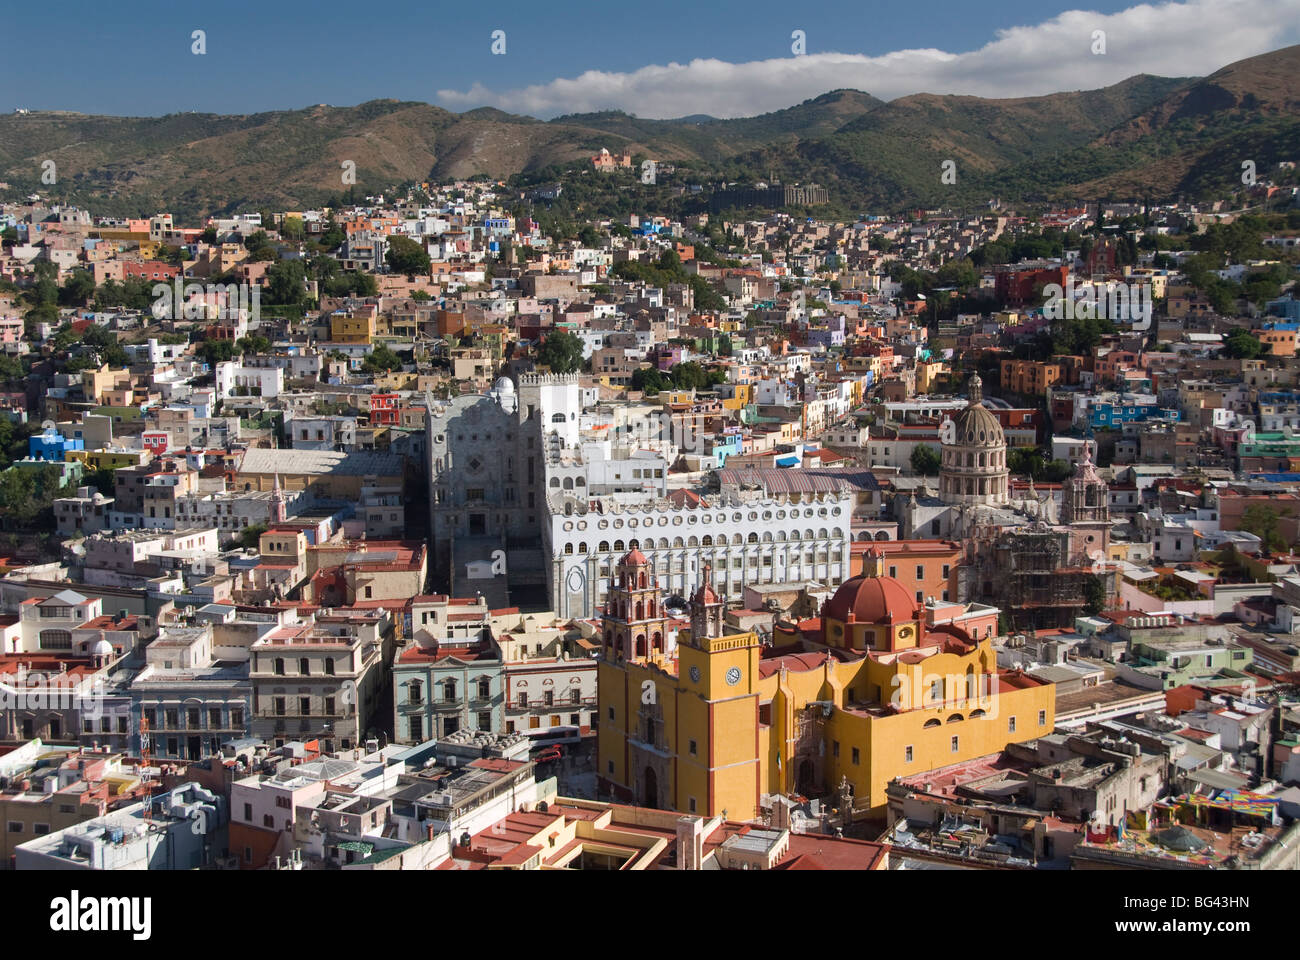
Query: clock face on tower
{"x":733,"y":676}
{"x":695,"y":674}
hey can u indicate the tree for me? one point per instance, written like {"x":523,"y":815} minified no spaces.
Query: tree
{"x":381,"y":359}
{"x":250,"y":536}
{"x":213,"y":352}
{"x":925,"y":462}
{"x":1262,"y":521}
{"x":1094,"y":595}
{"x":406,"y":256}
{"x":254,"y":343}
{"x":1241,"y":345}
{"x":259,"y":247}
{"x":286,"y":282}
{"x":649,"y":381}
{"x":292,"y":229}
{"x":77,"y":289}
{"x":562,"y":352}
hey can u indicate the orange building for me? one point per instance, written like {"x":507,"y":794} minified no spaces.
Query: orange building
{"x":925,"y":568}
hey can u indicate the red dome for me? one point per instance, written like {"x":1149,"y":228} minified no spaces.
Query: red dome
{"x":871,"y":600}
{"x":634,"y":558}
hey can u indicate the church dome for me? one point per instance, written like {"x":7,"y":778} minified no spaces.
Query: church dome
{"x":977,"y":427}
{"x":973,"y":467}
{"x":505,"y":386}
{"x":871,"y":600}
{"x":102,"y":648}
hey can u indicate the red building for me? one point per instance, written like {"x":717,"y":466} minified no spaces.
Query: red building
{"x":1019,"y":284}
{"x":150,"y":270}
{"x":385,"y":408}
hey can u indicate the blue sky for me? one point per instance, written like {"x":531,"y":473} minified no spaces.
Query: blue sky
{"x":135,"y":58}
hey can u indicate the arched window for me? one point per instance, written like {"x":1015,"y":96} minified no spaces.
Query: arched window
{"x":956,"y":718}
{"x":752,"y":538}
{"x":568,"y":548}
{"x":555,"y":482}
{"x":604,"y":546}
{"x":706,"y":540}
{"x":618,"y":546}
{"x":933,"y":723}
{"x":568,"y":483}
{"x":557,"y":418}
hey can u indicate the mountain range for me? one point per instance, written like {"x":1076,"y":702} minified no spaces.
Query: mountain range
{"x":1146,"y":137}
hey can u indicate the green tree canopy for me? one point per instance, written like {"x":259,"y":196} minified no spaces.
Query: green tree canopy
{"x":925,"y":461}
{"x":561,"y":351}
{"x":406,"y":256}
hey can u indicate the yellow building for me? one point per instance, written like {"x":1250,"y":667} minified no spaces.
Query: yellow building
{"x":109,"y":459}
{"x":349,"y":328}
{"x":878,"y":687}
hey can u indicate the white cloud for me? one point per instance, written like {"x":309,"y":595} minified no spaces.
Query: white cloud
{"x":1171,"y":39}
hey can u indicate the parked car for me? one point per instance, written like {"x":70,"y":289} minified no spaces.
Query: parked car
{"x":548,"y":754}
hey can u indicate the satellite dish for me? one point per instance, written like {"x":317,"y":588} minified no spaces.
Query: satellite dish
{"x":49,"y":425}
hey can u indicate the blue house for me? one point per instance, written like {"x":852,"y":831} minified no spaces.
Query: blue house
{"x":52,"y":446}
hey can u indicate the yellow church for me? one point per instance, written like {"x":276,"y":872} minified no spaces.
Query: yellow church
{"x":879,"y":686}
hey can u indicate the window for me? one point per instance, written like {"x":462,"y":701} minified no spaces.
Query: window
{"x":56,"y":640}
{"x":611,"y":713}
{"x":856,"y":756}
{"x":304,"y":706}
{"x":835,"y":748}
{"x":15,"y":826}
{"x":690,"y":801}
{"x":920,"y":572}
{"x":416,"y":694}
{"x":40,"y":829}
{"x":691,"y":748}
{"x":417,"y":728}
{"x":279,"y":666}
{"x":907,"y":754}
{"x":248,"y":812}
{"x":1042,"y":718}
{"x":522,"y":698}
{"x":278,"y":703}
{"x":954,"y":743}
{"x":449,"y":690}
{"x":304,"y":666}
{"x":329,"y":666}
{"x":1011,"y":724}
